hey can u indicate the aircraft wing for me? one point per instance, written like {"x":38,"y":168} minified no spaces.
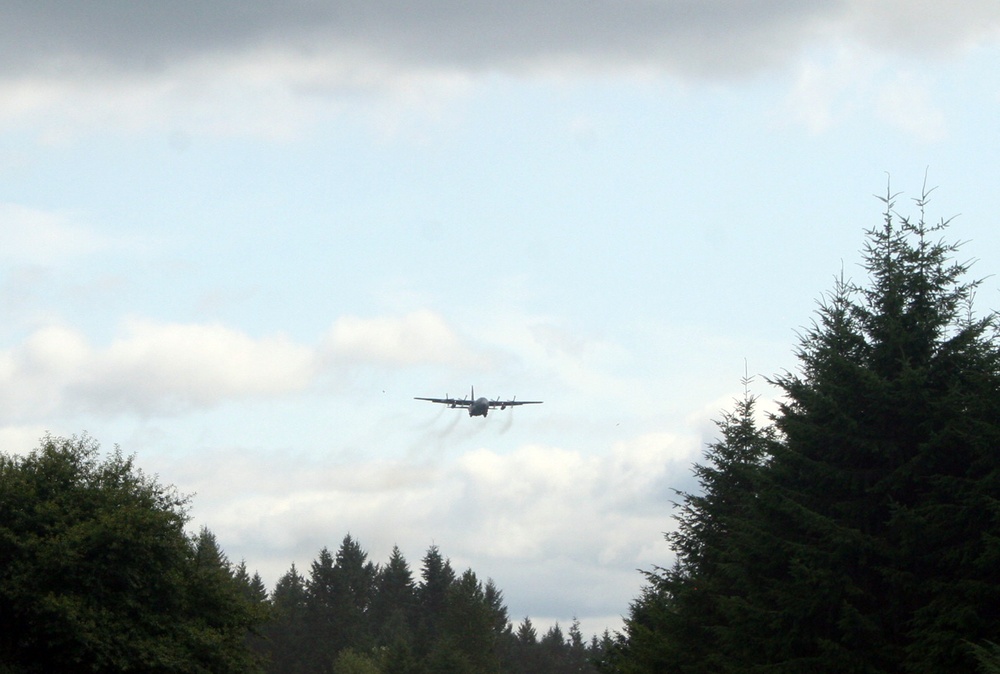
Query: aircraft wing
{"x":511,"y":403}
{"x":451,"y":402}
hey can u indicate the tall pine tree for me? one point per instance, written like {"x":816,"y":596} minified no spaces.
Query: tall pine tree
{"x":886,"y":482}
{"x":674,"y":626}
{"x":867,"y":538}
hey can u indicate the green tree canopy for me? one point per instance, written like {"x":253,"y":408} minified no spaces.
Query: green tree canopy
{"x":97,"y":572}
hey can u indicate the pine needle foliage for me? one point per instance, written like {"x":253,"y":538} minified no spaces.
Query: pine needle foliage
{"x":859,"y":530}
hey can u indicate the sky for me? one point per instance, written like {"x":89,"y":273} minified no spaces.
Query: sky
{"x":237,"y":238}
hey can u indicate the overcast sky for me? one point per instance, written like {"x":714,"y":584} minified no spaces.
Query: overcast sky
{"x":237,"y":238}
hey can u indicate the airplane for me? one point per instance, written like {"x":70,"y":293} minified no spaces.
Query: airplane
{"x":480,"y":407}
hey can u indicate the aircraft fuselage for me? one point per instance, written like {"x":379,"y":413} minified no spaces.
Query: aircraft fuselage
{"x":480,"y":407}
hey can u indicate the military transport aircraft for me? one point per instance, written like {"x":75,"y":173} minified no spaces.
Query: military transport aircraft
{"x":480,"y":407}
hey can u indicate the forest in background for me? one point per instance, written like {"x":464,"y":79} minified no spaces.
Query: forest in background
{"x":381,"y":619}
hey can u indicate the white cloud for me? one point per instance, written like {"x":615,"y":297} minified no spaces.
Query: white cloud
{"x":33,"y":236}
{"x":151,"y":369}
{"x":169,"y":368}
{"x":419,"y":337}
{"x":529,"y":518}
{"x":906,"y":104}
{"x":20,"y":439}
{"x":837,"y":88}
{"x":270,"y":94}
{"x":827,"y":91}
{"x":155,"y":366}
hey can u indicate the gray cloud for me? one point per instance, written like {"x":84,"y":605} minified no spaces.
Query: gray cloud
{"x":694,"y":37}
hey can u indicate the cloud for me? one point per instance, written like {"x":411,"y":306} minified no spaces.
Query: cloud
{"x":834,"y":89}
{"x":30,"y":236}
{"x":314,"y":45}
{"x":155,"y":368}
{"x":921,"y":26}
{"x":542,"y":520}
{"x":151,"y":369}
{"x":711,"y":36}
{"x":20,"y":439}
{"x":828,"y":91}
{"x":270,"y":70}
{"x":539,"y":502}
{"x":48,"y":37}
{"x":906,"y":103}
{"x":420,"y":337}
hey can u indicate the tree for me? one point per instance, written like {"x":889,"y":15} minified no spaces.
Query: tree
{"x":470,"y":624}
{"x":887,"y":478}
{"x":95,"y":551}
{"x":394,"y":614}
{"x":674,"y":625}
{"x":395,"y":590}
{"x":219,"y":602}
{"x":339,"y":593}
{"x":866,"y":535}
{"x":322,"y":641}
{"x":354,"y":587}
{"x":285,"y":632}
{"x":350,"y":661}
{"x":437,"y":577}
{"x":526,"y":657}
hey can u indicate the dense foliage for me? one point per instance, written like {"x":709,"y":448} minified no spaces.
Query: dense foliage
{"x":98,"y":574}
{"x":859,"y":530}
{"x":353,"y":616}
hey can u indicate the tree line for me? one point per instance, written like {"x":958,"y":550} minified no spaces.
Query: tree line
{"x":351,"y":615}
{"x":97,"y":573}
{"x":857,"y":528}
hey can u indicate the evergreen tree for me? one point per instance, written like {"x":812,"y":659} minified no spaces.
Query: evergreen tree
{"x":285,"y":633}
{"x":394,"y":614}
{"x":252,"y":586}
{"x":526,"y":657}
{"x":437,"y":577}
{"x":862,"y":534}
{"x":888,"y":475}
{"x":552,"y":650}
{"x":500,"y":624}
{"x":527,"y":635}
{"x":674,"y":626}
{"x":339,"y":594}
{"x":470,"y":624}
{"x":579,"y":659}
{"x":322,"y":642}
{"x":395,"y":590}
{"x":354,"y":587}
{"x":221,"y":605}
